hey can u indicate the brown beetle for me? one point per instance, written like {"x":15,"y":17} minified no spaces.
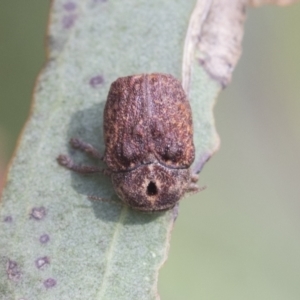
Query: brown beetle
{"x":149,"y":142}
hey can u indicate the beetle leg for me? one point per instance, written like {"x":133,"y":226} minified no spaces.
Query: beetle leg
{"x":194,"y":188}
{"x":85,"y":147}
{"x":68,"y":163}
{"x":194,"y":178}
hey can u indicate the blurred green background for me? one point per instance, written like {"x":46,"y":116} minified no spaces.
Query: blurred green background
{"x":240,"y":238}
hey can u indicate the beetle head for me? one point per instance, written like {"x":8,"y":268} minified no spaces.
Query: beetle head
{"x":151,"y":187}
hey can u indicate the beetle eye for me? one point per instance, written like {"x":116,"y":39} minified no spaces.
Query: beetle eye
{"x":151,"y":189}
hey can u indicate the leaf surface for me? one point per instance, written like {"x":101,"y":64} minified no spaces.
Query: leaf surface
{"x":54,"y":242}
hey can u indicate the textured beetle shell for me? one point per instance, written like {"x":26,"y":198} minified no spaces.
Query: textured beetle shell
{"x":148,"y":118}
{"x":149,"y":138}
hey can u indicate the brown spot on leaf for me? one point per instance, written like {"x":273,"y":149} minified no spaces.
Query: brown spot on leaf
{"x":38,"y":213}
{"x":49,"y":283}
{"x":44,"y":238}
{"x":99,"y":1}
{"x":42,"y":261}
{"x":68,"y":21}
{"x":8,"y":219}
{"x":69,"y":6}
{"x":13,"y":271}
{"x":96,"y":81}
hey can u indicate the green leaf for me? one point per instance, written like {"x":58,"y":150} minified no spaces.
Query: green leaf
{"x":55,"y":243}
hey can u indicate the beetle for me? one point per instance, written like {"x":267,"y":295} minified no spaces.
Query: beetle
{"x":149,"y":147}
